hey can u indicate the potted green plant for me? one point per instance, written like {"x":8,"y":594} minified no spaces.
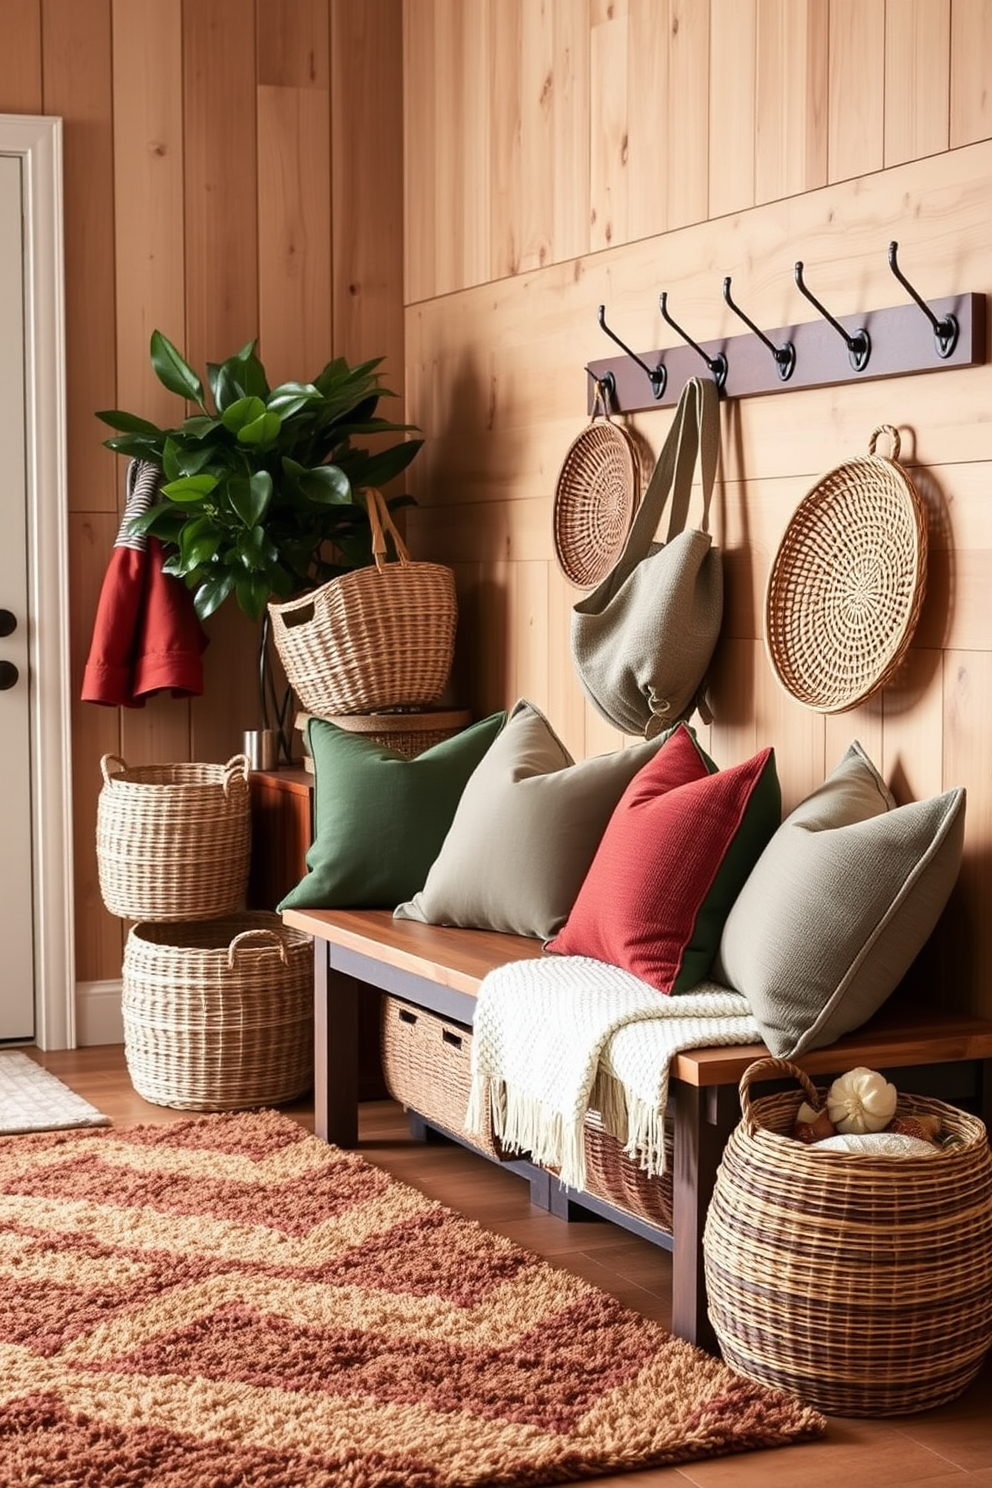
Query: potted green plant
{"x":261,"y":496}
{"x":261,"y":492}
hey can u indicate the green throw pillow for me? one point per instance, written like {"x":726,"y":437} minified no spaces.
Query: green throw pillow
{"x":838,"y":905}
{"x":525,"y":831}
{"x":380,"y":818}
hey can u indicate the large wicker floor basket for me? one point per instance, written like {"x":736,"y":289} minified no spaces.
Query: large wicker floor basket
{"x":218,"y":1014}
{"x":173,"y":841}
{"x":861,"y":1283}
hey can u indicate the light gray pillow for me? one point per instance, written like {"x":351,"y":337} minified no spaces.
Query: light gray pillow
{"x":838,"y":905}
{"x":526,"y":829}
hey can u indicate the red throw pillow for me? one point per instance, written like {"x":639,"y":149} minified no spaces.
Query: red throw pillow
{"x":673,"y":859}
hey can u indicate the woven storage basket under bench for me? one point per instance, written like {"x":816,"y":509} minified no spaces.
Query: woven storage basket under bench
{"x":426,"y":1061}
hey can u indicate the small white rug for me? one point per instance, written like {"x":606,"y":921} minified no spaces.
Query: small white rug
{"x":32,"y":1100}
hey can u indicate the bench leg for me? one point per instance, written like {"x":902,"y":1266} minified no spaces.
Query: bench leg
{"x":335,"y":1079}
{"x":704,"y":1119}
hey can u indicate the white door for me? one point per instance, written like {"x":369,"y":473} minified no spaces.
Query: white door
{"x":17,"y":973}
{"x":37,"y":966}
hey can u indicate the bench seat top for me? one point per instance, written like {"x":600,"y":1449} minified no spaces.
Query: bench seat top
{"x":900,"y":1035}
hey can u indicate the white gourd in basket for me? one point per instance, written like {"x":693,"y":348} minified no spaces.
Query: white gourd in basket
{"x":861,"y":1101}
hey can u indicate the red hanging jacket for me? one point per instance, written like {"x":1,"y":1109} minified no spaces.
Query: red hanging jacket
{"x":146,"y":635}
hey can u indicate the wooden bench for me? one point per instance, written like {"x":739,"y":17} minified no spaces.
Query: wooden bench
{"x":440,"y":969}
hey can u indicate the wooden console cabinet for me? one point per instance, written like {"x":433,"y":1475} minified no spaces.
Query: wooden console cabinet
{"x":281,"y":832}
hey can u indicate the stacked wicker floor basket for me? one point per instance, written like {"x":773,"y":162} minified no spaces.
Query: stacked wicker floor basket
{"x":217,"y":1000}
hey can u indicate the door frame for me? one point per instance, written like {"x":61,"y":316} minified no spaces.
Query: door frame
{"x":37,"y":141}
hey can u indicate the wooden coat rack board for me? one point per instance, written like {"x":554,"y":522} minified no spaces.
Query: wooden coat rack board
{"x":927,"y":336}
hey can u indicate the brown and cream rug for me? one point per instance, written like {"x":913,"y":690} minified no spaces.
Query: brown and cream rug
{"x":229,"y":1301}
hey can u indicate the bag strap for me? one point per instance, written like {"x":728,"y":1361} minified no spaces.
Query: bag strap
{"x":695,"y":430}
{"x":381,"y":523}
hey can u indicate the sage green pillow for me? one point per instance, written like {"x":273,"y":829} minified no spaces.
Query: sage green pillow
{"x":838,"y":905}
{"x":525,"y":832}
{"x":380,"y":818}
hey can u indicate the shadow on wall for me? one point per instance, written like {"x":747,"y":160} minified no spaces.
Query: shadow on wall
{"x":480,"y":675}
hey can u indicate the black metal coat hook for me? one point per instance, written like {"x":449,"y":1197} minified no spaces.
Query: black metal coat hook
{"x":858,"y":345}
{"x":658,"y":375}
{"x":785,"y":355}
{"x":717,"y":364}
{"x":945,"y":332}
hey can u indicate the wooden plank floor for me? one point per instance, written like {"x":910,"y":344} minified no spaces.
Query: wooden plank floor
{"x":946,"y":1448}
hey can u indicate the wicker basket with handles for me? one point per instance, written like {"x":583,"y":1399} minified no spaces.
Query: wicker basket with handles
{"x":218,"y":1014}
{"x":861,"y":1283}
{"x":378,"y":637}
{"x":173,"y":841}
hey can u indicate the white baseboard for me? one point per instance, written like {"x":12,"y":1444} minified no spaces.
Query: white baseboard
{"x":99,"y":1019}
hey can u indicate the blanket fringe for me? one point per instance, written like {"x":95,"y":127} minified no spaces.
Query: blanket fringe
{"x":635,"y":1123}
{"x":524,"y":1125}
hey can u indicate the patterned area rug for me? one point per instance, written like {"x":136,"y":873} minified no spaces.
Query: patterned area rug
{"x":32,"y":1100}
{"x":229,"y":1301}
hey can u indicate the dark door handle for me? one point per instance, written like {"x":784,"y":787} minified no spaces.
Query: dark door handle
{"x":8,"y":623}
{"x":8,"y":675}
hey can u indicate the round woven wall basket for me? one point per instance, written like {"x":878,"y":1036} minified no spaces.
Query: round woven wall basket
{"x":861,"y":1283}
{"x":218,"y":1014}
{"x":173,"y":842}
{"x":596,"y":494}
{"x":847,"y":583}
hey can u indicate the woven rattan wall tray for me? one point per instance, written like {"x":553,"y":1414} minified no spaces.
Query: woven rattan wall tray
{"x":596,"y":494}
{"x":847,"y":583}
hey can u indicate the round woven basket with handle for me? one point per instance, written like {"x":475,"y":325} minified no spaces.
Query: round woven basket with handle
{"x":596,"y":494}
{"x":861,"y":1283}
{"x":847,"y":583}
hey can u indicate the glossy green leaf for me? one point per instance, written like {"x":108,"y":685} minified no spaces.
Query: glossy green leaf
{"x":262,"y":432}
{"x":253,"y":591}
{"x":189,"y":489}
{"x":250,"y":497}
{"x":128,"y":423}
{"x":199,"y":541}
{"x":173,"y":371}
{"x":242,"y":411}
{"x":136,"y":447}
{"x":211,"y":594}
{"x":327,"y":485}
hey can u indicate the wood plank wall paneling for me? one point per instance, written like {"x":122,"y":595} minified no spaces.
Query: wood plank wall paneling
{"x":20,"y":65}
{"x":367,"y":187}
{"x":917,"y":54}
{"x":970,"y":95}
{"x":458,"y":187}
{"x":232,"y":169}
{"x":148,"y":233}
{"x":76,"y":40}
{"x":704,"y":140}
{"x":732,"y":97}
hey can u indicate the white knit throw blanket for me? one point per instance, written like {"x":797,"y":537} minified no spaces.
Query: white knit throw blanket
{"x":556,"y":1037}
